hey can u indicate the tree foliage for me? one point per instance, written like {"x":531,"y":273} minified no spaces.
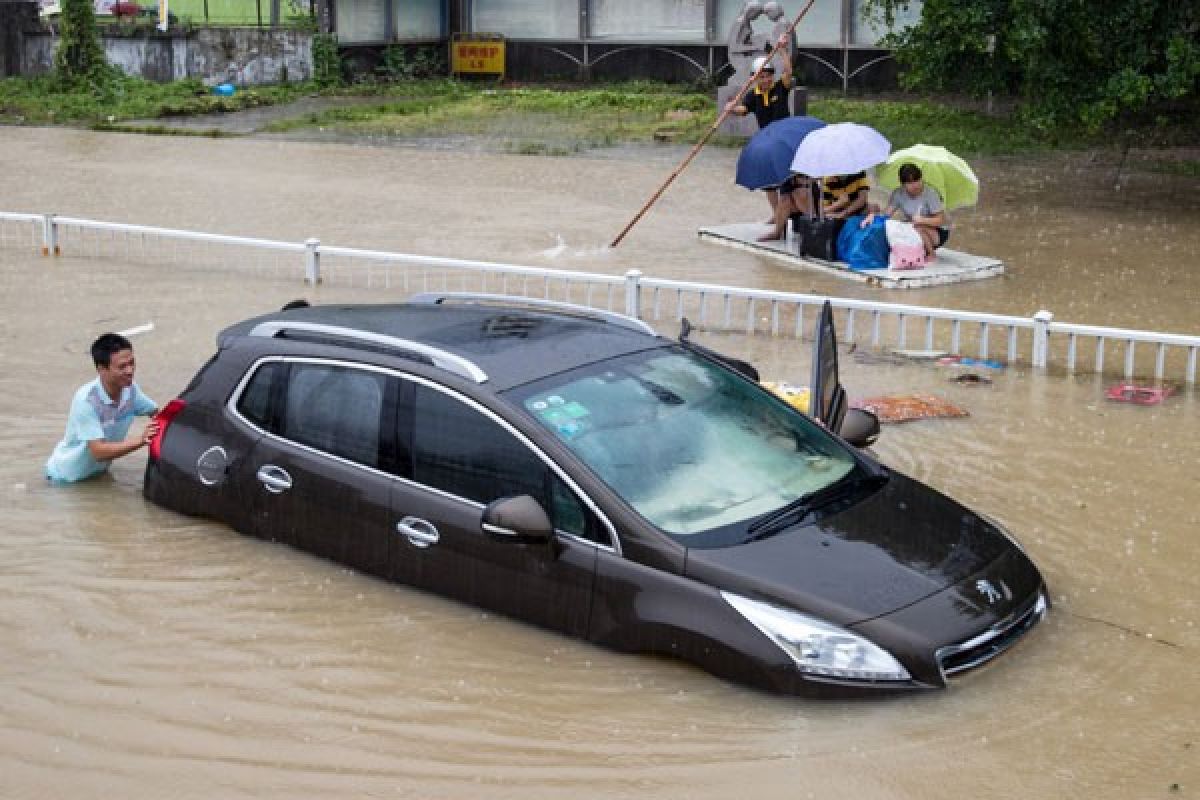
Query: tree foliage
{"x":79,"y":56}
{"x":1069,"y":62}
{"x":327,"y":61}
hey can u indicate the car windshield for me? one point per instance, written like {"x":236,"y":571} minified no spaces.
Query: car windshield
{"x":689,"y":445}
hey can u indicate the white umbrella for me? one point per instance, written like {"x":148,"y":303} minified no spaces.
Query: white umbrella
{"x":840,"y":149}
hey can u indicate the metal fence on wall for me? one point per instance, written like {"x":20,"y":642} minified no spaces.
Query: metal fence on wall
{"x":241,"y":13}
{"x":1039,"y":341}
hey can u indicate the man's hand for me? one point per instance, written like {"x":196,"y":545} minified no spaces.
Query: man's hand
{"x":149,"y":432}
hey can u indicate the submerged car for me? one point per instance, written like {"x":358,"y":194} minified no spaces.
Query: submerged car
{"x":571,"y":468}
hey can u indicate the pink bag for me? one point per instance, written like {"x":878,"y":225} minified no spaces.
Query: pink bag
{"x":907,"y":256}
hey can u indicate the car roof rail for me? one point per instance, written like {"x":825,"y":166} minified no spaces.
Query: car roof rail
{"x":451,"y":362}
{"x":612,"y":317}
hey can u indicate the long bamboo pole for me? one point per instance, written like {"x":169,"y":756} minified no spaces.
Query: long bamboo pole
{"x":720,"y":118}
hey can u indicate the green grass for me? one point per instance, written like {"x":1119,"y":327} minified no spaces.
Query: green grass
{"x":555,"y":121}
{"x":922,"y":121}
{"x":40,"y":101}
{"x":529,"y":119}
{"x":642,"y":112}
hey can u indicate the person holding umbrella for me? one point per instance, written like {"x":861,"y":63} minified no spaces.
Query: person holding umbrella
{"x":765,"y":164}
{"x":844,"y":195}
{"x":919,"y":204}
{"x":840,"y":154}
{"x":928,"y":181}
{"x":799,"y":194}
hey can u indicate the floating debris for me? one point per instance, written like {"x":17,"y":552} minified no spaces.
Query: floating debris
{"x":972,"y":379}
{"x":963,"y":361}
{"x":137,"y":329}
{"x":877,"y":358}
{"x":922,"y":355}
{"x":795,"y":396}
{"x":909,"y":407}
{"x":1140,"y":395}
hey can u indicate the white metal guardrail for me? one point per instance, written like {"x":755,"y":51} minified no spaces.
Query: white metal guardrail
{"x":1035,"y":340}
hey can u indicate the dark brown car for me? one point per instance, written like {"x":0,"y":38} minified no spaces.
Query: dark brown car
{"x":572,"y":469}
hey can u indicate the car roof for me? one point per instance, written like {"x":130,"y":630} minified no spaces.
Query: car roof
{"x":510,"y":344}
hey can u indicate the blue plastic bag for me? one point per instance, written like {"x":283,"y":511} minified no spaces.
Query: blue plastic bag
{"x":864,"y":248}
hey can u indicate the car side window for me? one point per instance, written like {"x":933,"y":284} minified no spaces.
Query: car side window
{"x":335,"y":409}
{"x":255,"y":402}
{"x":461,"y":451}
{"x":568,"y":514}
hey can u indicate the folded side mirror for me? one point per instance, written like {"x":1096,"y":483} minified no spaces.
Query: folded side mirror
{"x":519,"y":518}
{"x":859,"y":427}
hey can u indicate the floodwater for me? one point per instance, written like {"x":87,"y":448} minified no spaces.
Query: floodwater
{"x":148,"y":655}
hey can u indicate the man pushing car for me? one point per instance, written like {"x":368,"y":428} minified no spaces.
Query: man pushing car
{"x":101,"y":414}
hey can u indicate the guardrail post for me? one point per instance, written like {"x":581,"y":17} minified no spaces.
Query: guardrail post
{"x":312,"y":261}
{"x":49,"y":235}
{"x":1041,"y":337}
{"x":632,"y":293}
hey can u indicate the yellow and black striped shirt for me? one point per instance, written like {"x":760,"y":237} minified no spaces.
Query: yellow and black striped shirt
{"x":838,"y":186}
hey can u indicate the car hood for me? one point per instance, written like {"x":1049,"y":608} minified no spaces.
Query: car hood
{"x":891,"y":548}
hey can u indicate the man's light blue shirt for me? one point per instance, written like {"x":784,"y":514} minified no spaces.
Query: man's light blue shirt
{"x":93,"y":416}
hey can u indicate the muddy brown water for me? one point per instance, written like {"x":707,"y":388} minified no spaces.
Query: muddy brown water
{"x":148,"y":655}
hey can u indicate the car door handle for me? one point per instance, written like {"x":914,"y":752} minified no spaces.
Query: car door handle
{"x":419,"y":532}
{"x":274,"y":479}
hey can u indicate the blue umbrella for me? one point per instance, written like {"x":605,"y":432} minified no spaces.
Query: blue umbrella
{"x":766,"y":160}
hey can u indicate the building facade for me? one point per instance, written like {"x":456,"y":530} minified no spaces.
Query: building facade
{"x":616,"y":39}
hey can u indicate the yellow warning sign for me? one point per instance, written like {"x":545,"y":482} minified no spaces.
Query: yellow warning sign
{"x":477,"y":54}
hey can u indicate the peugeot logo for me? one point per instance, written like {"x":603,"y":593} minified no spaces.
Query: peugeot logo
{"x":990,"y":592}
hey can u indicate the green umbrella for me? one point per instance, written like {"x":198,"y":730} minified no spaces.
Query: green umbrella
{"x":941,"y":169}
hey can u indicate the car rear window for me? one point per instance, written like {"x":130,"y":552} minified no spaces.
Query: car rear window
{"x":255,"y":402}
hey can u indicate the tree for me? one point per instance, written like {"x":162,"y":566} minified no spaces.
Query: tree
{"x":79,"y":55}
{"x":1070,"y":62}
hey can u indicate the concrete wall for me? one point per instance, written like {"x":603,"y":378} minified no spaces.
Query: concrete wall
{"x":243,"y":56}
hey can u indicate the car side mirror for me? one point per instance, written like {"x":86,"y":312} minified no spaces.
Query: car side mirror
{"x":859,"y":427}
{"x":517,"y":518}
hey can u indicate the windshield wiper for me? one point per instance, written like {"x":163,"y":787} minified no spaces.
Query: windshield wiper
{"x":660,"y":392}
{"x":807,"y":503}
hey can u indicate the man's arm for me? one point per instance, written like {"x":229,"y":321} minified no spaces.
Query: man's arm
{"x":104,"y":450}
{"x":936,"y":217}
{"x":886,"y":213}
{"x":846,"y":204}
{"x":934,"y":220}
{"x":786,"y":60}
{"x":857,"y":204}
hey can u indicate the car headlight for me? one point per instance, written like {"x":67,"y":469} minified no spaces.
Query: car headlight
{"x":817,"y":647}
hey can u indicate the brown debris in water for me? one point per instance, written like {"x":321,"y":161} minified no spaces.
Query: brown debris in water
{"x":909,"y":407}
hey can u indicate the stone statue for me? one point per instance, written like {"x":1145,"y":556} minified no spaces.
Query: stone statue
{"x":774,"y":12}
{"x":743,"y":44}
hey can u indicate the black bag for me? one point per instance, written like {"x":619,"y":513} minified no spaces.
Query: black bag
{"x":816,"y":238}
